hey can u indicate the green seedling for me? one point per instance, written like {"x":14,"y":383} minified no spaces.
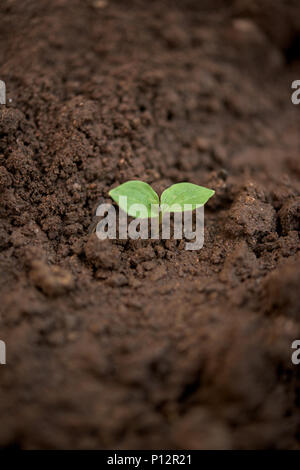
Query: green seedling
{"x":179,"y":197}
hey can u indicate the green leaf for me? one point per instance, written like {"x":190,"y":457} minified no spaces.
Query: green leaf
{"x":136,"y":192}
{"x":184,"y":193}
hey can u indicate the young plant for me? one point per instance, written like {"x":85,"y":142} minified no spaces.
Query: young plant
{"x":179,"y":197}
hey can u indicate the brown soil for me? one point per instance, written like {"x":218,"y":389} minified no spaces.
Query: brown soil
{"x":144,"y":344}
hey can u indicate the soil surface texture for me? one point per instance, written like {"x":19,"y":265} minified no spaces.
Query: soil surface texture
{"x":143,"y":344}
